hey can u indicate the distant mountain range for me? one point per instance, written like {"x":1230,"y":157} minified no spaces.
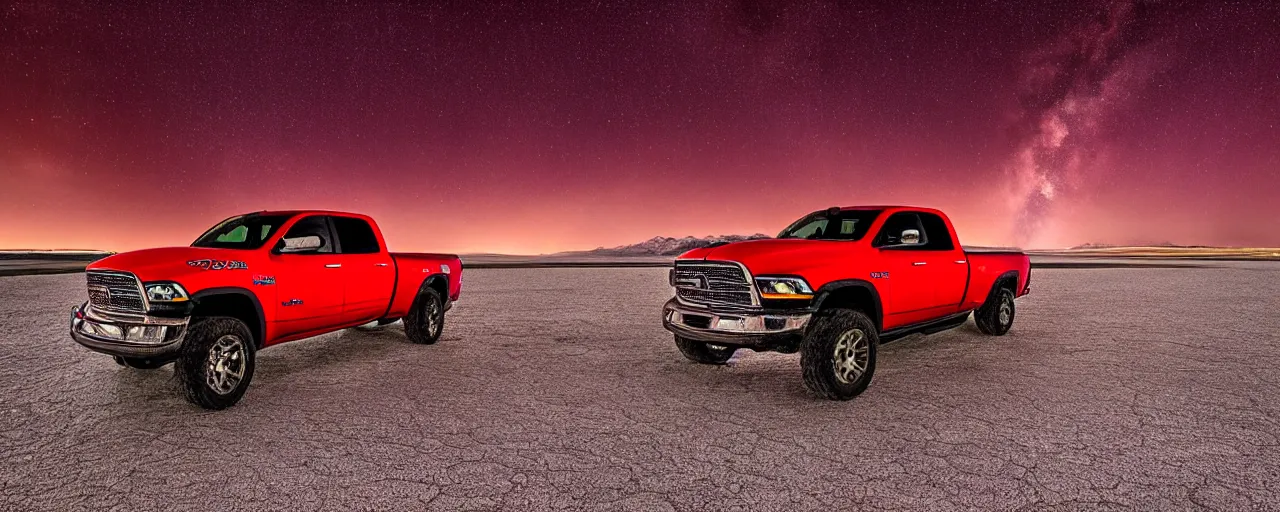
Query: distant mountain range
{"x":667,"y":246}
{"x":670,"y":246}
{"x":1113,"y":246}
{"x":53,"y":254}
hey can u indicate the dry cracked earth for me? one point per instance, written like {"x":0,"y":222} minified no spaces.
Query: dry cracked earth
{"x":1150,"y":389}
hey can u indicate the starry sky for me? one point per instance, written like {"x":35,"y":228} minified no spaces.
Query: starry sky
{"x":536,"y":127}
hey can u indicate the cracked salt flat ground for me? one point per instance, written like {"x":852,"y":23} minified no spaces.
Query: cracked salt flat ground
{"x":558,"y":389}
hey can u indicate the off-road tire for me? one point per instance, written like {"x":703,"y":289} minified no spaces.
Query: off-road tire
{"x":418,"y":324}
{"x":704,"y":353}
{"x":989,"y":317}
{"x":139,"y":364}
{"x":195,"y":363}
{"x":818,"y":353}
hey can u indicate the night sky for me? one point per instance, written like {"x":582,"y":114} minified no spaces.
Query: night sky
{"x":509,"y":127}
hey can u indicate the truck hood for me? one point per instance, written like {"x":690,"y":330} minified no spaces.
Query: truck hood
{"x":167,"y":263}
{"x":775,"y":256}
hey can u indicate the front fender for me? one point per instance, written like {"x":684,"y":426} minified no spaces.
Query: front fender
{"x":207,"y":295}
{"x":833,"y":288}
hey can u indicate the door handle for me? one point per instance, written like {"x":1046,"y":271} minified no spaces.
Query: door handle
{"x":919,"y":263}
{"x":379,"y":264}
{"x":961,"y":262}
{"x":333,"y":265}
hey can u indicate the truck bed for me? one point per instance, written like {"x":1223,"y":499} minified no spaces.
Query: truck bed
{"x":991,"y":250}
{"x":987,"y":265}
{"x":413,"y":269}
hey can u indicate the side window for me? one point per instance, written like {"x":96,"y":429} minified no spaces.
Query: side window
{"x":848,"y":227}
{"x":939,"y":238}
{"x":355,"y":236}
{"x":314,"y":225}
{"x":237,"y":235}
{"x":814,"y":230}
{"x":891,"y":233}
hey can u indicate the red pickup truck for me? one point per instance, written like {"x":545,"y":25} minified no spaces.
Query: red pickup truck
{"x":253,"y":281}
{"x":835,"y":284}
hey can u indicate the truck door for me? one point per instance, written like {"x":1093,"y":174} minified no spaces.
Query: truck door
{"x":902,"y":276}
{"x":308,"y":278}
{"x":947,"y":267}
{"x":368,"y":270}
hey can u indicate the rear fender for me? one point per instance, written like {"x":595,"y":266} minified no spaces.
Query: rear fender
{"x":406,"y":293}
{"x":438,"y":281}
{"x":1006,"y":280}
{"x":1009,"y":279}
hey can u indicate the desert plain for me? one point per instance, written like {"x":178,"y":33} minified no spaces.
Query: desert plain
{"x":557,"y":388}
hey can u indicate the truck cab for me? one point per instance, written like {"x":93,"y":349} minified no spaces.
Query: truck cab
{"x":253,"y":281}
{"x":833,"y":285}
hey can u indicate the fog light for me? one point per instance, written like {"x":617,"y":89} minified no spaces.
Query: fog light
{"x":797,"y":322}
{"x":109,"y":330}
{"x":146,"y":333}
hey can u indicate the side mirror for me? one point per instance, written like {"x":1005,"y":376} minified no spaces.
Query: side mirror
{"x":309,"y":243}
{"x":909,"y":237}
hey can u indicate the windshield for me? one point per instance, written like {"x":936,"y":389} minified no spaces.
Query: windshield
{"x":243,"y":232}
{"x":825,"y":225}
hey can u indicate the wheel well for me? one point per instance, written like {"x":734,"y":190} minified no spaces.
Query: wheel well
{"x":234,"y":305}
{"x":440,"y":284}
{"x":854,"y":297}
{"x":1006,"y":280}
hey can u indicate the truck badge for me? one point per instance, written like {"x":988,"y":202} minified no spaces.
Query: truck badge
{"x":292,"y":302}
{"x":264,"y":280}
{"x":218,"y":264}
{"x":879,"y":275}
{"x":695,"y":282}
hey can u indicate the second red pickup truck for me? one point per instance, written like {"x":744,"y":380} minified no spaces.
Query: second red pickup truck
{"x":253,"y":281}
{"x":835,"y":284}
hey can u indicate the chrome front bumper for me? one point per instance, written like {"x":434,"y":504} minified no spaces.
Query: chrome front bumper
{"x":138,"y":336}
{"x":747,"y":329}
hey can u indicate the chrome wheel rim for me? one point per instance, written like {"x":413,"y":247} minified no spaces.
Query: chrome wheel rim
{"x":432,"y":317}
{"x":226,"y":364}
{"x":1006,"y":310}
{"x":852,"y":355}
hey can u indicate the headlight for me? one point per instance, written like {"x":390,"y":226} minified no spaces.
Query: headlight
{"x":166,"y":292}
{"x":783,"y":288}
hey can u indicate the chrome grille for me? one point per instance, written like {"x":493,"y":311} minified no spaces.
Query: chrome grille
{"x":118,"y":292}
{"x":713,"y":284}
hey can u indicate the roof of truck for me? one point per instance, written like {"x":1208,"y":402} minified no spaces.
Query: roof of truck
{"x":889,"y":207}
{"x":883,"y":207}
{"x":311,"y":212}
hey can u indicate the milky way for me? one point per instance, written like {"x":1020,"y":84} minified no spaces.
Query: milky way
{"x":1069,"y":87}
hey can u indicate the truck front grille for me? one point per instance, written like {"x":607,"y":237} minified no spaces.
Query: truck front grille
{"x":713,"y":284}
{"x":117,"y":292}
